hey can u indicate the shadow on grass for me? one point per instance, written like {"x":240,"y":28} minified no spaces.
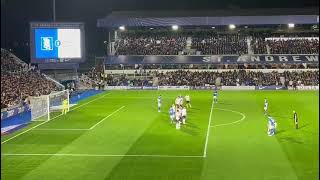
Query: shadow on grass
{"x":291,"y":140}
{"x":280,"y":132}
{"x":189,"y":131}
{"x":224,"y":103}
{"x":191,"y":125}
{"x":301,"y":127}
{"x":309,"y":132}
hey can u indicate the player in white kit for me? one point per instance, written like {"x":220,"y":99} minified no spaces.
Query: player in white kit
{"x":159,"y":103}
{"x":177,"y":102}
{"x":184,"y":115}
{"x":265,"y":108}
{"x":180,"y":100}
{"x":178,"y":117}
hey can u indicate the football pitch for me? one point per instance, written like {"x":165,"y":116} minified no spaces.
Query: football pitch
{"x":119,"y":135}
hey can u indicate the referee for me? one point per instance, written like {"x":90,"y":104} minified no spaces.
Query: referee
{"x":295,"y":118}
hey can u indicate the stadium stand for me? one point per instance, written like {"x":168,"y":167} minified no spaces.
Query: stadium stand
{"x":213,"y":43}
{"x":228,"y":78}
{"x":150,"y":44}
{"x":19,"y":81}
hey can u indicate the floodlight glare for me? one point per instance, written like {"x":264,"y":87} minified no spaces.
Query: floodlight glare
{"x":122,"y":28}
{"x":175,"y":27}
{"x":232,"y":26}
{"x":291,"y":25}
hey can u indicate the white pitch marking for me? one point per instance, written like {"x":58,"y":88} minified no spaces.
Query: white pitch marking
{"x":50,"y":120}
{"x":39,"y":120}
{"x":225,"y":124}
{"x":104,"y":155}
{"x":105,"y":118}
{"x":28,"y":130}
{"x":89,"y":102}
{"x":49,"y":129}
{"x":208,"y":132}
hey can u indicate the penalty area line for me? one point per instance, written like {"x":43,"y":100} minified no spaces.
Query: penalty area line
{"x":208,"y":132}
{"x":75,"y":129}
{"x":106,"y":118}
{"x":52,"y":129}
{"x":104,"y":155}
{"x":50,"y":120}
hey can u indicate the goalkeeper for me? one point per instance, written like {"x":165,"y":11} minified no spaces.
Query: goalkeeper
{"x":64,"y":106}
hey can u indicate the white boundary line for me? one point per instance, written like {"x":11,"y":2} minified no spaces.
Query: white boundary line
{"x":208,"y":132}
{"x":234,"y":122}
{"x":66,"y":129}
{"x":49,"y":129}
{"x":104,"y":155}
{"x":38,"y":120}
{"x":51,"y":119}
{"x":106,"y":118}
{"x":89,"y":102}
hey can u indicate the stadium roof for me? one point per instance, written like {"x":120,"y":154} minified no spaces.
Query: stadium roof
{"x":213,"y":13}
{"x":212,"y":17}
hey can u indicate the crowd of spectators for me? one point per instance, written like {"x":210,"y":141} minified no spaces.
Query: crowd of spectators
{"x":15,"y":87}
{"x":259,"y":45}
{"x":212,"y":43}
{"x":294,"y":46}
{"x":220,"y":44}
{"x":123,"y":80}
{"x":237,"y":78}
{"x":226,"y":78}
{"x":154,"y":44}
{"x":92,"y":78}
{"x":18,"y":81}
{"x":9,"y":63}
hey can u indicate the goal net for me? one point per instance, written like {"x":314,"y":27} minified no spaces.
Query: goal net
{"x":46,"y":107}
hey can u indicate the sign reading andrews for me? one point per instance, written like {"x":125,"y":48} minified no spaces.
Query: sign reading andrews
{"x":215,"y":59}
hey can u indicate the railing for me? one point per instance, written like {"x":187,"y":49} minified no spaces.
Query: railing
{"x":51,"y":79}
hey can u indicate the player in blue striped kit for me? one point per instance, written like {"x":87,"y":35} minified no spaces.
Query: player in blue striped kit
{"x":271,"y":126}
{"x":215,"y":96}
{"x":172,"y":114}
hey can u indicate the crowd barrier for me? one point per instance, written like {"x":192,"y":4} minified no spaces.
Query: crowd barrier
{"x":179,"y":87}
{"x":173,"y":87}
{"x":271,"y":88}
{"x":308,"y":88}
{"x":237,"y":87}
{"x":210,"y":87}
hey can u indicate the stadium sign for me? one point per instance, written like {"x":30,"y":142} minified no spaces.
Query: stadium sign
{"x":115,"y":87}
{"x":150,"y":87}
{"x":173,"y":87}
{"x":134,"y":87}
{"x":308,"y":87}
{"x":271,"y":88}
{"x":14,"y":111}
{"x":238,"y":88}
{"x":214,"y":59}
{"x":205,"y":87}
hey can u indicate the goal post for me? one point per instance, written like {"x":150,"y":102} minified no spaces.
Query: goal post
{"x":46,"y":107}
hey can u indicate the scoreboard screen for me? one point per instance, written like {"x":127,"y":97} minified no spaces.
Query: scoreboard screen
{"x":57,"y":42}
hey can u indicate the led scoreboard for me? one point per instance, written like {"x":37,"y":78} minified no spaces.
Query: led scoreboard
{"x":57,"y":42}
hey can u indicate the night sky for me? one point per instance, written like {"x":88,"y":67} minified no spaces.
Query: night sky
{"x":16,"y":15}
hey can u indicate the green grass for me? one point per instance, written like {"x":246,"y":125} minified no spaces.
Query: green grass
{"x":240,"y":150}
